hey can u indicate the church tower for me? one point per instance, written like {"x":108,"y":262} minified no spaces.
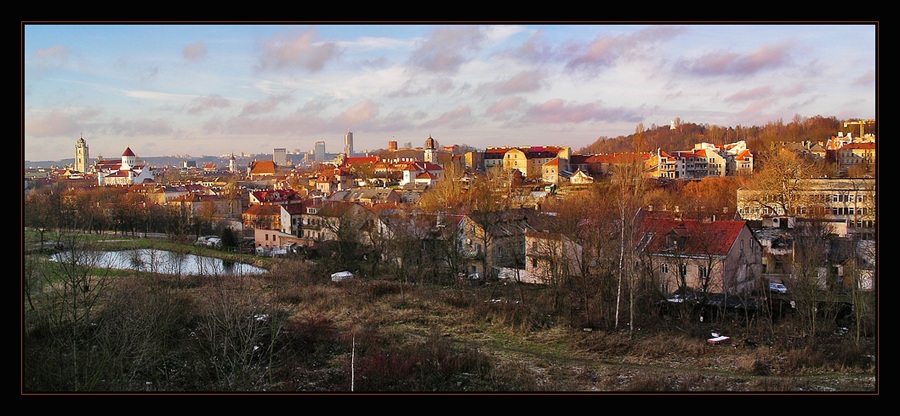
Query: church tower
{"x":81,"y":155}
{"x":231,"y":164}
{"x":430,"y":155}
{"x":127,"y":159}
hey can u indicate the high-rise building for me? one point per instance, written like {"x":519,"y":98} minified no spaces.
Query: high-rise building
{"x":279,"y":156}
{"x":81,"y":155}
{"x":320,"y":151}
{"x":348,"y":143}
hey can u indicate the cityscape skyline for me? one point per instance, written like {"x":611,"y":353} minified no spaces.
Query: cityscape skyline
{"x":170,"y":89}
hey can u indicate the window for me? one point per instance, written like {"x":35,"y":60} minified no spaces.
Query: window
{"x":702,"y":272}
{"x":682,"y":269}
{"x":664,"y":268}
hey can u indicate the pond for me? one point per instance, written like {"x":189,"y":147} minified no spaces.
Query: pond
{"x":162,"y":261}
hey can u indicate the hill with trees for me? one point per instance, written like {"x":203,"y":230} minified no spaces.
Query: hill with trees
{"x":682,"y":135}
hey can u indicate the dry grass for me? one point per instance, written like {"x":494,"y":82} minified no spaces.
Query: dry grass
{"x":379,"y":336}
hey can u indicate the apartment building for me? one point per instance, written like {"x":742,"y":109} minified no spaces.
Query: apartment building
{"x":847,"y":205}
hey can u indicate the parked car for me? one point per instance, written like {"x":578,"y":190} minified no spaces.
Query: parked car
{"x":777,"y":288}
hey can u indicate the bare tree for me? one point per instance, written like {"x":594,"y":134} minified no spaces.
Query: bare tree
{"x":72,"y":291}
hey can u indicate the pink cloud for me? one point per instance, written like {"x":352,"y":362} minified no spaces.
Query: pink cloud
{"x":296,"y":50}
{"x":446,"y":50}
{"x":200,"y":105}
{"x":195,"y":51}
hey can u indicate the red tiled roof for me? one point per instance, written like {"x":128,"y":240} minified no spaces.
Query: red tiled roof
{"x":861,"y":146}
{"x":701,"y":238}
{"x":128,"y":152}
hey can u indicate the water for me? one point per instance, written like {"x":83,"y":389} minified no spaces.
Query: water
{"x":162,"y":261}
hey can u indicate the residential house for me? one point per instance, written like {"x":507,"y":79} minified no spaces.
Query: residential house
{"x":412,"y":170}
{"x":550,"y":257}
{"x":580,"y":178}
{"x":266,"y":216}
{"x":366,"y":196}
{"x":336,"y":221}
{"x":700,"y":255}
{"x":530,"y":160}
{"x":494,"y":240}
{"x":329,"y":181}
{"x":856,"y":154}
{"x":277,"y":197}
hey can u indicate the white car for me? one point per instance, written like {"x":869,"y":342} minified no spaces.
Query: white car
{"x":777,"y":288}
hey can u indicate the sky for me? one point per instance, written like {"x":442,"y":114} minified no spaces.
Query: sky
{"x":176,"y":89}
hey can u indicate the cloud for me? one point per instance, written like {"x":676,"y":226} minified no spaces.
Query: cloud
{"x":558,"y":111}
{"x":534,"y":50}
{"x":504,"y":107}
{"x":752,"y":94}
{"x":200,"y":105}
{"x":525,"y":81}
{"x":195,"y":52}
{"x":765,"y":57}
{"x":605,"y":51}
{"x":296,"y":50}
{"x":457,"y":117}
{"x":53,"y":57}
{"x":866,"y":79}
{"x":447,"y":48}
{"x":359,"y":113}
{"x":270,"y":104}
{"x":53,"y":124}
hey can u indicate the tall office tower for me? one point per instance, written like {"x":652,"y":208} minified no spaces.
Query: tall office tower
{"x":348,"y":143}
{"x":320,"y":151}
{"x":279,"y":156}
{"x":81,"y":155}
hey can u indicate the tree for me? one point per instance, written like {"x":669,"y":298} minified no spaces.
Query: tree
{"x":42,"y":211}
{"x":778,"y":186}
{"x":629,"y":187}
{"x":74,"y":287}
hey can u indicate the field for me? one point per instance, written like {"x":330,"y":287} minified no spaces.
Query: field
{"x":384,"y":336}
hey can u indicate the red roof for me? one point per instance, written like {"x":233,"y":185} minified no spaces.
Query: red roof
{"x":700,"y":238}
{"x":128,"y":152}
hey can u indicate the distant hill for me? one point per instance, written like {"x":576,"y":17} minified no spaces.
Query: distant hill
{"x":685,"y":135}
{"x":162,"y":161}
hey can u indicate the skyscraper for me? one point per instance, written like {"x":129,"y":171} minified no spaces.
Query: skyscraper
{"x":279,"y":156}
{"x":348,"y":144}
{"x":320,"y":151}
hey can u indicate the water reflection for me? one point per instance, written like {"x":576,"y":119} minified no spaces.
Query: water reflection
{"x":162,"y":261}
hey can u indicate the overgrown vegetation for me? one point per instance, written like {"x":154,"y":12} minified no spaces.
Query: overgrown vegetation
{"x":294,"y":330}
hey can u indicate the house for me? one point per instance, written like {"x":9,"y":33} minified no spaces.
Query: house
{"x":366,"y":196}
{"x":550,"y":257}
{"x":336,"y":221}
{"x":412,"y":170}
{"x":708,"y":256}
{"x":267,"y":216}
{"x":494,"y":240}
{"x":277,"y":196}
